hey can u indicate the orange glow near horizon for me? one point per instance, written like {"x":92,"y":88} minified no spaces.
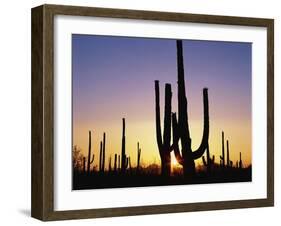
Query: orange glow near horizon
{"x":145,"y":131}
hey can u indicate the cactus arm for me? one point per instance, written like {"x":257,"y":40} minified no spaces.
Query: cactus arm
{"x":93,"y":157}
{"x":127,"y":162}
{"x":175,"y":145}
{"x":158,"y":120}
{"x":178,"y":156}
{"x":204,"y":161}
{"x":167,"y":117}
{"x":204,"y":143}
{"x":208,"y":155}
{"x":164,"y":143}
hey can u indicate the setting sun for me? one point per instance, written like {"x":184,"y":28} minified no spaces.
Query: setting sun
{"x":174,"y":161}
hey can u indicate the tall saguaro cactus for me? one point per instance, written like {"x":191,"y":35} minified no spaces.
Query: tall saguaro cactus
{"x":89,"y":154}
{"x":124,"y":159}
{"x":222,"y":157}
{"x":181,"y":128}
{"x":164,"y":145}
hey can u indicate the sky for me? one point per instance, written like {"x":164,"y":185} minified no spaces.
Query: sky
{"x":113,"y":78}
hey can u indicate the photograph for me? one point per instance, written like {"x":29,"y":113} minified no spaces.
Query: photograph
{"x":172,"y":110}
{"x":160,"y":112}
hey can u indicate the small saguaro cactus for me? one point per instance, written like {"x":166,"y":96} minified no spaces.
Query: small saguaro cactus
{"x":124,"y":159}
{"x":228,"y":161}
{"x":89,"y":155}
{"x":115,"y":162}
{"x":138,"y":154}
{"x":240,"y":161}
{"x":118,"y":162}
{"x":164,"y":145}
{"x":222,"y":158}
{"x":101,"y":156}
{"x":209,"y":162}
{"x":103,"y":152}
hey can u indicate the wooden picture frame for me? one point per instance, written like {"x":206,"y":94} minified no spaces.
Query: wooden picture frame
{"x":43,"y":112}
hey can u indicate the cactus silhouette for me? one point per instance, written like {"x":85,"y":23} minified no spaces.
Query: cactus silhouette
{"x":118,"y":162}
{"x":228,"y":161}
{"x":240,"y":161}
{"x":222,"y":157}
{"x":124,"y":159}
{"x":209,"y":162}
{"x":89,"y":154}
{"x":138,"y":154}
{"x":181,"y":127}
{"x":115,"y":162}
{"x":103,"y":152}
{"x":164,"y":145}
{"x":101,"y":156}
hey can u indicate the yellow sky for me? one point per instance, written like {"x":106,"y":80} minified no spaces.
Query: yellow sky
{"x":238,"y":133}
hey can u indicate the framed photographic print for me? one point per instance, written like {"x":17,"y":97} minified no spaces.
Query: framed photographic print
{"x":141,"y":112}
